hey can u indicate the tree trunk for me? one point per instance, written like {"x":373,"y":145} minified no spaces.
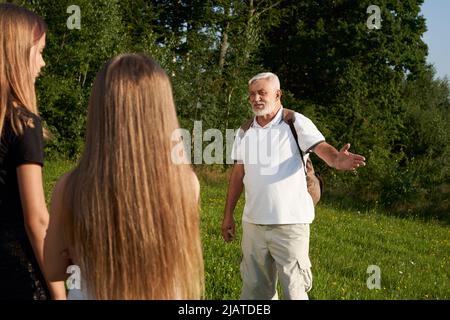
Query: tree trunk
{"x":224,"y":43}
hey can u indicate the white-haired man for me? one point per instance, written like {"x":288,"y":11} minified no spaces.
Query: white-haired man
{"x":278,"y":208}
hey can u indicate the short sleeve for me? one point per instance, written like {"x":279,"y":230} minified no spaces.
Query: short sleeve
{"x":29,"y":147}
{"x":236,"y":153}
{"x":308,"y":134}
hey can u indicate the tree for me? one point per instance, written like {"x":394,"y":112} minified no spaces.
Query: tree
{"x":73,"y":57}
{"x":351,"y":81}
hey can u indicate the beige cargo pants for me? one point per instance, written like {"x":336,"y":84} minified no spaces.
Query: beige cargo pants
{"x":270,"y":252}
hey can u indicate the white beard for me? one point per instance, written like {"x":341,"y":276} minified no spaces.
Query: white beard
{"x":268,"y":109}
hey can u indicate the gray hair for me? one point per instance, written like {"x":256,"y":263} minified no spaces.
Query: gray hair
{"x":272,"y":77}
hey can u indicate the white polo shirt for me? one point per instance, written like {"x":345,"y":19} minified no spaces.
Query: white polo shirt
{"x":274,"y":180}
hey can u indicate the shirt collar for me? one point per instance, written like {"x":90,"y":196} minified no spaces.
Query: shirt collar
{"x":276,"y":120}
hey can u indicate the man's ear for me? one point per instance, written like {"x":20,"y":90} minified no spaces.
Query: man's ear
{"x":279,"y":94}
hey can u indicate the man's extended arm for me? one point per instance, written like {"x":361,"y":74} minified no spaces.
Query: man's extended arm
{"x":341,"y":160}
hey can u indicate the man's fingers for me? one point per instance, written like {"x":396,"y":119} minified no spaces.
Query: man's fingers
{"x":357,"y":157}
{"x":345,"y":147}
{"x":360,"y":162}
{"x":226,"y":236}
{"x":357,"y":164}
{"x":228,"y":233}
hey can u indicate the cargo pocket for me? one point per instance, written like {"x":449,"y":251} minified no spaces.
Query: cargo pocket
{"x":305,"y":273}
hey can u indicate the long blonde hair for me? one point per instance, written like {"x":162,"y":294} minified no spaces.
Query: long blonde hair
{"x":134,"y":219}
{"x":20,"y":29}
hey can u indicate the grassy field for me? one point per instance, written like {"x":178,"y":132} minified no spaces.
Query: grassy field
{"x":413,"y":256}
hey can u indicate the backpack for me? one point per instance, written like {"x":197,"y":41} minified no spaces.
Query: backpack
{"x":314,"y":182}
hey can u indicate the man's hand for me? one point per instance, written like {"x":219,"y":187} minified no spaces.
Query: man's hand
{"x":228,"y":228}
{"x":342,"y":160}
{"x":348,"y":161}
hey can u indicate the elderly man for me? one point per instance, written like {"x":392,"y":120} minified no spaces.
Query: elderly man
{"x":278,"y":208}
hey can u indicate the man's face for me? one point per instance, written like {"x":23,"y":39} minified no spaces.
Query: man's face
{"x":263,"y":97}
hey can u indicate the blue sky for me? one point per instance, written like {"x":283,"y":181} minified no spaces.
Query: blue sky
{"x":437,"y":14}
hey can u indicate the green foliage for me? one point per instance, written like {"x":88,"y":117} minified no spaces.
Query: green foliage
{"x":373,"y":89}
{"x":73,"y":58}
{"x":427,"y":143}
{"x":207,"y":48}
{"x":215,"y":61}
{"x":317,"y":41}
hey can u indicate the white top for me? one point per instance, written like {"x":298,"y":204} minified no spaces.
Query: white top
{"x":77,"y":294}
{"x":274,"y":180}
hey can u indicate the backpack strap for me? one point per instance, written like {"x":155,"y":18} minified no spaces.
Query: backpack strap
{"x":289,"y":118}
{"x":246,"y":125}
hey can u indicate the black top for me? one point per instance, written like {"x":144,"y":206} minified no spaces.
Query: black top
{"x":20,"y":276}
{"x":14,"y":151}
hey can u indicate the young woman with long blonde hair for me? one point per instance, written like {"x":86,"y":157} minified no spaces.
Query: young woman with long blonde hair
{"x":23,"y":213}
{"x":127,"y":216}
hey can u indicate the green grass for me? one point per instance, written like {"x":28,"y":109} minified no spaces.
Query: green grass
{"x":413,"y":255}
{"x":52,"y":171}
